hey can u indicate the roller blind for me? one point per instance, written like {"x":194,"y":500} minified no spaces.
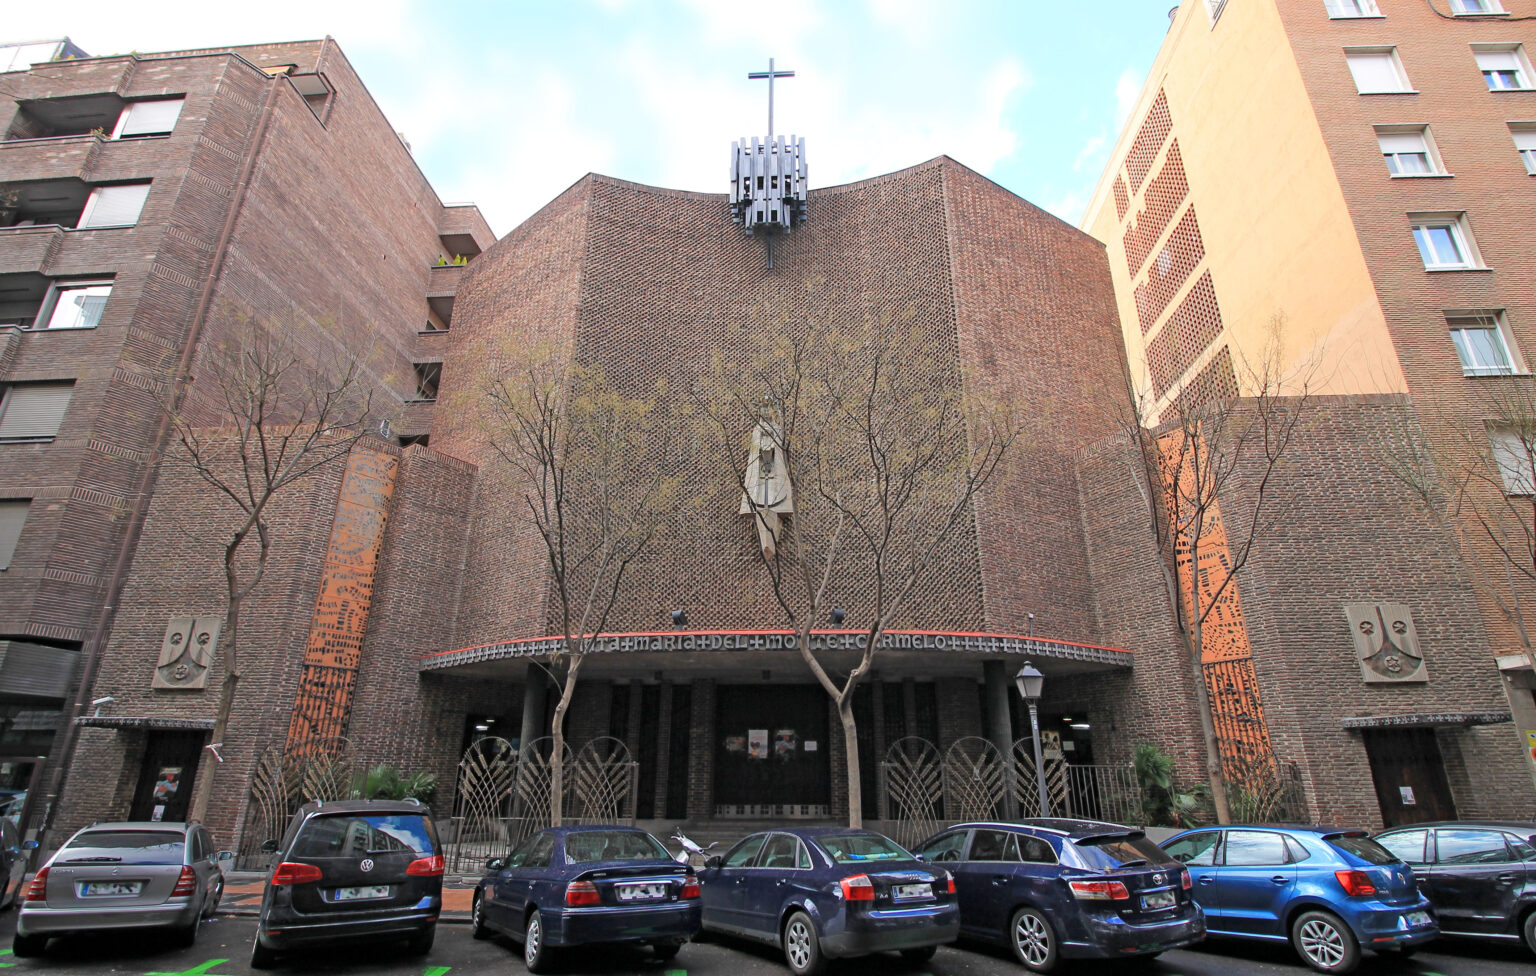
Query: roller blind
{"x":1375,"y":72}
{"x":33,"y":411}
{"x":13,"y":515}
{"x":149,"y":118}
{"x":1402,"y":142}
{"x":114,"y":206}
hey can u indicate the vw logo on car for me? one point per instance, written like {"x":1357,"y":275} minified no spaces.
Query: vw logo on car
{"x":367,"y":864}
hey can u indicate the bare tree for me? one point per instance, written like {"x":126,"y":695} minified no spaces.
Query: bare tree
{"x":591,"y":473}
{"x":263,"y":414}
{"x":1208,"y":447}
{"x":1477,"y":481}
{"x":860,"y":453}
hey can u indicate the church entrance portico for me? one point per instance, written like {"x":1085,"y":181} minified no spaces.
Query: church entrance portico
{"x":771,"y":752}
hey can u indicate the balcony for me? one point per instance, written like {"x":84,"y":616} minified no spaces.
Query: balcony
{"x":39,"y":160}
{"x":78,"y":115}
{"x":29,"y":248}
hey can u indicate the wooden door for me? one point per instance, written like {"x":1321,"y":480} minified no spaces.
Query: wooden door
{"x":1410,"y":776}
{"x":165,"y":778}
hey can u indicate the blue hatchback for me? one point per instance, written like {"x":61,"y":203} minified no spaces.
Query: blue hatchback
{"x":1053,"y":889}
{"x":821,"y":892}
{"x":568,"y":886}
{"x":1328,"y":891}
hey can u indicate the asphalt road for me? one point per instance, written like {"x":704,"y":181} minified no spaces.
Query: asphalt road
{"x":223,"y":948}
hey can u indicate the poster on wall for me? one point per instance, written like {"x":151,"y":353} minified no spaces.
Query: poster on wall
{"x":735,"y":743}
{"x":784,"y":743}
{"x":757,"y":743}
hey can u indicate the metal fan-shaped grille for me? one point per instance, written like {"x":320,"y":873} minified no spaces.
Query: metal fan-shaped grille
{"x":600,"y":783}
{"x":482,"y":814}
{"x":534,"y":780}
{"x":973,"y":780}
{"x":913,"y":783}
{"x":1026,"y":786}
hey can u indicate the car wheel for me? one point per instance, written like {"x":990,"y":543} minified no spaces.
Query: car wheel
{"x":1529,"y":930}
{"x":1033,"y":940}
{"x":26,"y":946}
{"x":1325,"y":943}
{"x":421,"y":943}
{"x":802,"y":949}
{"x":919,"y":955}
{"x":261,"y":956}
{"x":477,"y":929}
{"x":213,"y":902}
{"x":186,"y":936}
{"x":666,"y":950}
{"x":536,"y":954}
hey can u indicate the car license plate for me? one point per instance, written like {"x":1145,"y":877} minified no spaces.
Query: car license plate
{"x":100,"y":888}
{"x":362,"y":892}
{"x":912,"y":892}
{"x":641,"y":892}
{"x":1158,"y":899}
{"x":1415,"y":919}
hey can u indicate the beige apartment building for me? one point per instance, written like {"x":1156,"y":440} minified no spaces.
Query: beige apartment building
{"x":1353,"y":184}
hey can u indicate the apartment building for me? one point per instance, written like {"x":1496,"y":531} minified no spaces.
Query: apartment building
{"x":1340,"y":193}
{"x":150,"y":203}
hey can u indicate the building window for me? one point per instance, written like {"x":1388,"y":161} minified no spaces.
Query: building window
{"x":1377,"y":70}
{"x":1466,"y":8}
{"x":156,"y":118}
{"x":114,"y":206}
{"x":1214,"y":8}
{"x":1483,"y":342}
{"x":13,"y":517}
{"x":76,"y":305}
{"x":427,"y":377}
{"x":1524,"y":134}
{"x":1409,"y":151}
{"x":1504,"y":67}
{"x":1444,"y":241}
{"x":1513,"y":450}
{"x":33,"y":411}
{"x":1338,"y":9}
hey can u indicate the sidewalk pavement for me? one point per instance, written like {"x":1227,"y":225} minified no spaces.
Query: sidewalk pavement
{"x":242,"y":894}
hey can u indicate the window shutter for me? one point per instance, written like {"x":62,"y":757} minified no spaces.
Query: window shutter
{"x":1403,"y":142}
{"x":13,"y":515}
{"x":1375,"y":72}
{"x":1525,"y":138}
{"x":34,"y":410}
{"x":114,"y":206}
{"x":149,"y":118}
{"x":1498,"y":61}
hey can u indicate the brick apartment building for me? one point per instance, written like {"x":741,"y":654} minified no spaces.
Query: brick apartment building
{"x":1357,"y":173}
{"x":147,"y":204}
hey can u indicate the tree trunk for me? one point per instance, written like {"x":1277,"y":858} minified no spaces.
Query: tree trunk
{"x":1214,"y":772}
{"x":851,"y":757}
{"x":557,"y":734}
{"x":229,"y":642}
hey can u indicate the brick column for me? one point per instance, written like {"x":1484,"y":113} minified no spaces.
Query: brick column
{"x":663,"y":748}
{"x":701,"y":752}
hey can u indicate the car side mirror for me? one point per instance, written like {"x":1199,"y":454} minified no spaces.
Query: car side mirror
{"x":920,"y":857}
{"x":29,"y":845}
{"x":714,"y":862}
{"x":224,"y":856}
{"x":269,"y":847}
{"x":495,"y":864}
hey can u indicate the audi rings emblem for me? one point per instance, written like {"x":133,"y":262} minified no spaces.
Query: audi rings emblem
{"x":367,"y":864}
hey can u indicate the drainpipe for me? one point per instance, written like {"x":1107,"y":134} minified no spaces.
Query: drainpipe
{"x":96,"y":645}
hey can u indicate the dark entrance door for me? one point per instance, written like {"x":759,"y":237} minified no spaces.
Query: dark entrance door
{"x":771,"y":752}
{"x":165,"y":778}
{"x":1410,"y":776}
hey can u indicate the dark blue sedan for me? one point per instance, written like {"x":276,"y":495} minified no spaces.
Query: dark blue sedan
{"x":568,"y":886}
{"x":1067,"y":889}
{"x":1328,"y":891}
{"x":829,"y":892}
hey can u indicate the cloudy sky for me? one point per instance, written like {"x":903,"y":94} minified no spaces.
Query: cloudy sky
{"x":506,"y":104}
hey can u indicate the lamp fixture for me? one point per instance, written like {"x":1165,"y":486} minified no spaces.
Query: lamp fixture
{"x":1029,"y":681}
{"x":838,"y":616}
{"x":679,"y":619}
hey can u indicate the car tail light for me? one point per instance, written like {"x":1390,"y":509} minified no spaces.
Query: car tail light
{"x":690,"y":889}
{"x":580,"y":893}
{"x":426,"y":866}
{"x":1355,"y":883}
{"x":945,"y":885}
{"x":186,"y":884}
{"x":289,"y":873}
{"x":38,"y":889}
{"x":1185,"y":880}
{"x":1099,"y":890}
{"x":858,"y":888}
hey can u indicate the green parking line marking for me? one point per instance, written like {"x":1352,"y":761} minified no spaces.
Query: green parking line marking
{"x":675,"y":972}
{"x":196,"y":970}
{"x":437,"y":971}
{"x":5,"y":952}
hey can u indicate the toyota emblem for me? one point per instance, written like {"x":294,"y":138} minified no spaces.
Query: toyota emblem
{"x":367,"y":864}
{"x":1159,"y":878}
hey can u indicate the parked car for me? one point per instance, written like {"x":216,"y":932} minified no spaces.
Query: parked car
{"x":11,"y":858}
{"x":352,"y":871}
{"x":1328,"y":890}
{"x":568,"y":886}
{"x":829,"y":892}
{"x":121,"y":876}
{"x":1479,"y":874}
{"x":1053,"y":889}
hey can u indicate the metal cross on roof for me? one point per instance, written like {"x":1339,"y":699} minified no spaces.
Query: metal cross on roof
{"x":770,"y":74}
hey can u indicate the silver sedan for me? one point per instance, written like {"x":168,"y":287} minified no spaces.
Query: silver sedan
{"x":123,"y":875}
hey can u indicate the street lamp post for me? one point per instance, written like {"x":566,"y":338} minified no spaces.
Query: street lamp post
{"x":1029,"y":681}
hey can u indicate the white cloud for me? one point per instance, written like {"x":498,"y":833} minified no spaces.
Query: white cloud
{"x":1127,"y":91}
{"x":1092,"y":152}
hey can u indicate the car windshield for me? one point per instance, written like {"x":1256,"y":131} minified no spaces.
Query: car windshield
{"x":1123,"y":851}
{"x":845,"y":848}
{"x":126,"y":846}
{"x":612,"y":845}
{"x":353,"y":835}
{"x":1363,"y":847}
